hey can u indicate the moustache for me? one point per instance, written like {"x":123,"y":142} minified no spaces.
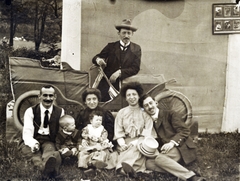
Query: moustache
{"x":150,"y":109}
{"x":48,"y":101}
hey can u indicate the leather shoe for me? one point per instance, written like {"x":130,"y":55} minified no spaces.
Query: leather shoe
{"x":196,"y":178}
{"x":49,"y":166}
{"x":129,"y":170}
{"x":67,"y":154}
{"x":89,"y":172}
{"x":97,"y":164}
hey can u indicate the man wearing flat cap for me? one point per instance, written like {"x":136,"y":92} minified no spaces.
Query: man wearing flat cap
{"x":121,"y":59}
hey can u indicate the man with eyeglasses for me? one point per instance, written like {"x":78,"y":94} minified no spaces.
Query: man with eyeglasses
{"x":41,"y":124}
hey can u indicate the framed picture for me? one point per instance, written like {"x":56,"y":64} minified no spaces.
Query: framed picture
{"x":225,"y":18}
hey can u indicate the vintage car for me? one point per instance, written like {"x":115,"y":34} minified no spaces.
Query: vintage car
{"x":29,"y":75}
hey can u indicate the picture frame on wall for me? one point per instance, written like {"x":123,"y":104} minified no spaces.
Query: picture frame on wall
{"x":225,"y":18}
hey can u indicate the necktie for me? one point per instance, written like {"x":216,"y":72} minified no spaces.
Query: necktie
{"x":124,"y":48}
{"x":45,"y":123}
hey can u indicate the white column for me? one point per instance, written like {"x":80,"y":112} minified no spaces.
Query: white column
{"x":231,"y":115}
{"x":71,"y":33}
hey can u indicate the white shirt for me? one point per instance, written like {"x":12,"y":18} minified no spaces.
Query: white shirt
{"x":155,"y":116}
{"x":121,"y":43}
{"x":28,"y":128}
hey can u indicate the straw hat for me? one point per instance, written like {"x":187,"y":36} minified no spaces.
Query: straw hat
{"x":148,"y":147}
{"x":126,"y":23}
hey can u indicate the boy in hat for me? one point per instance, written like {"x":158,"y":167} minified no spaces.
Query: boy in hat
{"x":121,"y":59}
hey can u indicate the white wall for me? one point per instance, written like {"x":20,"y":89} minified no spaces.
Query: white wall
{"x":71,"y":33}
{"x":231,"y":115}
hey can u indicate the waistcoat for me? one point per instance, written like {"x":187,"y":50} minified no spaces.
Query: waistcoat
{"x":53,"y":122}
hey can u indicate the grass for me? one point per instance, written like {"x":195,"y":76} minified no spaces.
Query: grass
{"x":218,"y":160}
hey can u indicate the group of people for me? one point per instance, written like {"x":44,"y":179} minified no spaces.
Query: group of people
{"x":141,"y":137}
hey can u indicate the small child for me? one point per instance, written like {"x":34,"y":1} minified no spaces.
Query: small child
{"x":95,"y":146}
{"x":68,"y":138}
{"x":57,"y":58}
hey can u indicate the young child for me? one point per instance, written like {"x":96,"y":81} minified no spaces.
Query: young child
{"x":68,"y":138}
{"x":95,"y":146}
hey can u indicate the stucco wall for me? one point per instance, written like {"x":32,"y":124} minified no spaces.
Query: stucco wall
{"x":176,"y":40}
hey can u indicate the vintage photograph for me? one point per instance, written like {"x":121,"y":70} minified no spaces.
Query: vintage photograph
{"x":218,"y":12}
{"x":119,"y":90}
{"x":226,"y":22}
{"x":236,"y":24}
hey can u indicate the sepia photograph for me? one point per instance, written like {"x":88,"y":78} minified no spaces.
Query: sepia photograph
{"x":227,"y":23}
{"x":119,"y":90}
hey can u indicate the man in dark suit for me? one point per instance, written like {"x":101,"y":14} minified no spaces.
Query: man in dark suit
{"x":41,"y":124}
{"x":175,"y":144}
{"x":121,"y":59}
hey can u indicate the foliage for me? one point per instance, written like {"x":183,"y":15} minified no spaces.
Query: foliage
{"x":36,"y":20}
{"x":218,"y":160}
{"x":30,"y":53}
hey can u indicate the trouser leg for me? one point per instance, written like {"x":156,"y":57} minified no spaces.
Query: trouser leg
{"x":168,"y":163}
{"x":49,"y":150}
{"x":36,"y":157}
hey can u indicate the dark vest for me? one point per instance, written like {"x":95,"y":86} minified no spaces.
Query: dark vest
{"x":53,"y":122}
{"x":122,"y":56}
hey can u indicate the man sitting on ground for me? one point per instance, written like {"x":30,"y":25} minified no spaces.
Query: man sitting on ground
{"x":175,"y":144}
{"x":41,"y":124}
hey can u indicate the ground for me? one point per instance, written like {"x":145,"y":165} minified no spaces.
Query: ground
{"x":218,"y":160}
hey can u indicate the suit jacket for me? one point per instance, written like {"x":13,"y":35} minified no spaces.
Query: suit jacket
{"x":129,"y":66}
{"x":170,"y":126}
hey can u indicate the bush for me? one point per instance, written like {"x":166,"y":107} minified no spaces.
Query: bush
{"x":30,"y":53}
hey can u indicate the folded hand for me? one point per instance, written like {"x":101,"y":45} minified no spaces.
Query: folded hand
{"x":167,"y":147}
{"x":114,"y":76}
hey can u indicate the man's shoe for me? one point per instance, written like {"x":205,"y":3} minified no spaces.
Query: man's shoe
{"x":196,"y":178}
{"x":129,"y":170}
{"x":120,"y":172}
{"x":66,"y":160}
{"x":49,"y":166}
{"x":89,"y":172}
{"x":98,"y":164}
{"x":67,"y":154}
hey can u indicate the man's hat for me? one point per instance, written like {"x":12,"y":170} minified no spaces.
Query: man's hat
{"x":126,"y":23}
{"x":148,"y":147}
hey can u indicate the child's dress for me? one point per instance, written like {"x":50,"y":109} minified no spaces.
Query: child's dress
{"x":98,"y":147}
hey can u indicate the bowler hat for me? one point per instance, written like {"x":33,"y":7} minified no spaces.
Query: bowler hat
{"x":126,"y":23}
{"x":148,"y":147}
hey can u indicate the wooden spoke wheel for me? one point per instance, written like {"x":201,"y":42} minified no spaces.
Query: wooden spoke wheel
{"x":24,"y":101}
{"x":176,"y":101}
